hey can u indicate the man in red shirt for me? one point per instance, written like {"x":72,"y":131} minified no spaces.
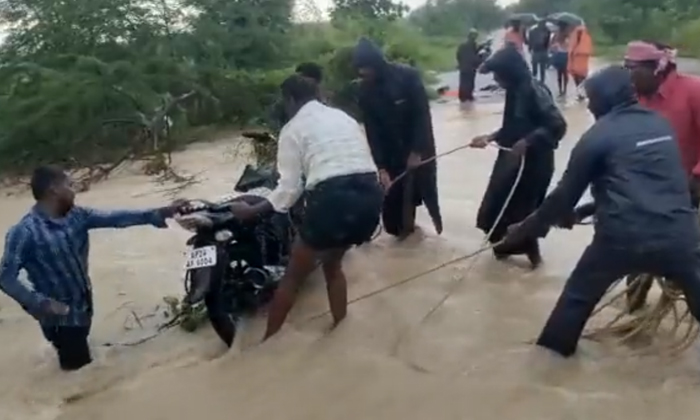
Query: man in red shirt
{"x":676,"y":96}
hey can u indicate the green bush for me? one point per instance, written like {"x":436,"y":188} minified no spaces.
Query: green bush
{"x":687,"y":39}
{"x":80,"y":110}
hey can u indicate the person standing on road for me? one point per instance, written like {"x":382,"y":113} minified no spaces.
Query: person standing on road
{"x":560,"y":54}
{"x":324,"y":155}
{"x":532,"y":128}
{"x":396,"y":113}
{"x":468,"y":63}
{"x":580,"y":52}
{"x":644,"y":222}
{"x":538,"y":41}
{"x":676,"y":96}
{"x":51,"y":243}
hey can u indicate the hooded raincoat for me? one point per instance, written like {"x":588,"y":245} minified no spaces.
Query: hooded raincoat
{"x":468,"y":62}
{"x":397,"y":120}
{"x":530,"y":114}
{"x":644,"y":221}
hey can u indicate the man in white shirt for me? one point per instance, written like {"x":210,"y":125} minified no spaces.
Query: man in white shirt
{"x":325,"y":147}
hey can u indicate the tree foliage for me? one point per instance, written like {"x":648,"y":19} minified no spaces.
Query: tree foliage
{"x":85,"y":82}
{"x":457,"y":17}
{"x":368,"y":9}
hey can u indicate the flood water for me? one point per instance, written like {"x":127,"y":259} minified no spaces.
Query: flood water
{"x":470,"y":359}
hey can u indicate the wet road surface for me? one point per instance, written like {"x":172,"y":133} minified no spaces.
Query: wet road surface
{"x":470,"y":359}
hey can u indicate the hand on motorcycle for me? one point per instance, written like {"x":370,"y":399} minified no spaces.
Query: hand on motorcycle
{"x":174,"y":208}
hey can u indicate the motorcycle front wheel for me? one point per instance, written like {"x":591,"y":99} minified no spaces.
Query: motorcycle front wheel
{"x":222,"y":321}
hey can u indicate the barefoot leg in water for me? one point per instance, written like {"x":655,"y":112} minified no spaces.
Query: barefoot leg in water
{"x":336,"y":284}
{"x":302,"y":262}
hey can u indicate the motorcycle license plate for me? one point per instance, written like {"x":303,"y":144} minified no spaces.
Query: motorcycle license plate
{"x":201,"y":257}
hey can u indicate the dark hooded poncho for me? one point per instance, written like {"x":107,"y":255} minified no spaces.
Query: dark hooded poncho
{"x":530,"y":114}
{"x":397,"y":120}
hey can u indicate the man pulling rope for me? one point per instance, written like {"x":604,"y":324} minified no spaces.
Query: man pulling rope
{"x":644,"y":220}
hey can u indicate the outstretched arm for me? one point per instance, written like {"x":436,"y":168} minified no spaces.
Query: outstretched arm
{"x":289,"y":165}
{"x":584,"y":166}
{"x":98,"y":219}
{"x":16,"y":247}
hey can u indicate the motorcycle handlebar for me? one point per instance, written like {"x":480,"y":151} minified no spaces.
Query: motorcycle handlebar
{"x":204,"y":205}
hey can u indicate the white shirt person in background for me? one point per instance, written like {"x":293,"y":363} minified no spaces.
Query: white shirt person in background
{"x":327,"y":148}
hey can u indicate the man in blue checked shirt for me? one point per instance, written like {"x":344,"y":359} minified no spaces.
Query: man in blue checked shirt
{"x":51,"y":243}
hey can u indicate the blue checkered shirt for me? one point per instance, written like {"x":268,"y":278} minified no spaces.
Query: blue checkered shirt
{"x":54,"y":253}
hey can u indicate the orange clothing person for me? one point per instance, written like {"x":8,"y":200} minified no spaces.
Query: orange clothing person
{"x":580,"y":52}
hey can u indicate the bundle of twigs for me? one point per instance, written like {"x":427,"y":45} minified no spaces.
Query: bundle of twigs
{"x":148,"y":144}
{"x":668,"y":317}
{"x":188,"y":317}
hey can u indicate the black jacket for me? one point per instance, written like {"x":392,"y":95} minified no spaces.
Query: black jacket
{"x":395,"y":109}
{"x":539,"y":38}
{"x":396,"y":113}
{"x":632,"y":163}
{"x":468,"y":55}
{"x":530,"y":114}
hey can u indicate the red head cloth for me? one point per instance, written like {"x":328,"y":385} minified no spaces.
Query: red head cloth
{"x":644,"y":51}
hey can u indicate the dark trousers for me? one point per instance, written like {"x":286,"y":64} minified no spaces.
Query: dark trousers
{"x":70,"y":344}
{"x":540,"y":62}
{"x":599,"y":267}
{"x":467,"y":79}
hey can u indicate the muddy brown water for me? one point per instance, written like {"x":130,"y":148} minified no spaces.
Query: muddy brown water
{"x":470,"y":359}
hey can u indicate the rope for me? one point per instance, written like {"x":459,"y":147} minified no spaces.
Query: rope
{"x":649,"y":322}
{"x":485,"y":247}
{"x":395,"y":181}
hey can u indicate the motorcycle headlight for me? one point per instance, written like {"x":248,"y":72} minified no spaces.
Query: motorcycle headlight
{"x":223,"y":235}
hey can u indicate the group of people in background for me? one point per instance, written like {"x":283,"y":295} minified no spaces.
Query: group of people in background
{"x":568,"y":49}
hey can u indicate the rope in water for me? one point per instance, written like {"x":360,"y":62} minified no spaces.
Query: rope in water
{"x":648,"y":324}
{"x":485,"y":245}
{"x":173,"y":322}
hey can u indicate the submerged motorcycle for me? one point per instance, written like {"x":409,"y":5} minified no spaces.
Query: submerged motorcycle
{"x":232,"y":265}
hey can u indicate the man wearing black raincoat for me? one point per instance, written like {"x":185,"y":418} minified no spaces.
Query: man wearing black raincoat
{"x":396,"y":113}
{"x":532,"y":127}
{"x":468,"y":63}
{"x":644,"y":221}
